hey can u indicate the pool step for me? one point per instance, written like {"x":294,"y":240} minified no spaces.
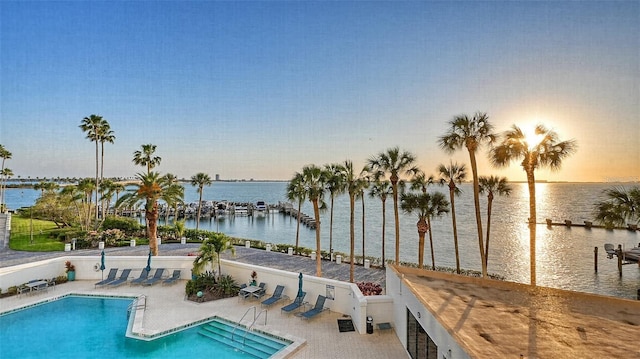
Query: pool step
{"x":249,"y":342}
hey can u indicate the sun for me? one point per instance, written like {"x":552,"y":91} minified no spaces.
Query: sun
{"x":531,"y":137}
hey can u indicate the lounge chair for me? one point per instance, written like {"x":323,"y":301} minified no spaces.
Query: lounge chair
{"x":317,"y":309}
{"x":297,"y":303}
{"x":156,"y":277}
{"x":174,"y":277}
{"x":144,"y":275}
{"x":123,"y":278}
{"x":260,"y":292}
{"x":110,"y":277}
{"x":276,"y":296}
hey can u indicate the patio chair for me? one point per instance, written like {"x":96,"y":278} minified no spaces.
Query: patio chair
{"x":276,"y":296}
{"x":156,"y":277}
{"x":110,"y":277}
{"x":144,"y":275}
{"x":123,"y":278}
{"x":174,"y":277}
{"x":261,"y":292}
{"x":297,"y":303}
{"x":317,"y":309}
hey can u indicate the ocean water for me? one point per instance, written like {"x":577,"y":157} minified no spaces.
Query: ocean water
{"x":565,"y":255}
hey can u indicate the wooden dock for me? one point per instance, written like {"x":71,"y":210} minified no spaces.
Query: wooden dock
{"x":588,"y":225}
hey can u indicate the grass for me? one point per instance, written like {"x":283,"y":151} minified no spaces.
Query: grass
{"x":21,"y":230}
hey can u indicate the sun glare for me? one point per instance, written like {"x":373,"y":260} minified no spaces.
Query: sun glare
{"x":531,"y":137}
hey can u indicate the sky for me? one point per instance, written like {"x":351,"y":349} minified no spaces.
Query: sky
{"x":257,"y":90}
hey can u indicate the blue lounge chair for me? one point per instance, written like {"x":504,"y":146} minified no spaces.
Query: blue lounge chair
{"x":110,"y":277}
{"x":174,"y":277}
{"x":156,"y":277}
{"x":123,"y":278}
{"x":297,"y":303}
{"x":143,"y":276}
{"x":277,"y":295}
{"x":317,"y":309}
{"x":260,"y":292}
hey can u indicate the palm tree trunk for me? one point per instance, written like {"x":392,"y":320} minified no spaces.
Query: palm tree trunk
{"x":455,"y":227}
{"x":199,"y":209}
{"x":97,"y":182}
{"x":331,"y":231}
{"x":433,"y":257}
{"x":383,"y":230}
{"x":298,"y":226}
{"x":363,"y":229}
{"x":486,"y":251}
{"x":152,"y":223}
{"x":421,"y":232}
{"x":476,"y":201}
{"x":316,"y":213}
{"x":396,"y":217}
{"x":352,"y":236}
{"x":531,"y":183}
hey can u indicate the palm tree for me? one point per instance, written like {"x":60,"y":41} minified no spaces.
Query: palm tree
{"x":620,"y":207}
{"x":105,"y":135}
{"x":381,"y":189}
{"x":200,"y":180}
{"x":335,"y":186}
{"x":145,"y":157}
{"x":395,"y":163}
{"x":5,"y":155}
{"x":355,"y":184}
{"x":424,"y":206}
{"x":211,"y":249}
{"x":86,"y":186}
{"x":297,"y":192}
{"x":173,"y":180}
{"x":151,"y":188}
{"x":45,"y":187}
{"x":491,"y":185}
{"x":117,"y":188}
{"x":313,"y":181}
{"x":470,"y":133}
{"x":5,"y":174}
{"x":545,"y":151}
{"x":451,"y":175}
{"x":93,"y":126}
{"x":107,"y":190}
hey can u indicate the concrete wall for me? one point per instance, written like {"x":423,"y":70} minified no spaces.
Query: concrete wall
{"x":403,"y":299}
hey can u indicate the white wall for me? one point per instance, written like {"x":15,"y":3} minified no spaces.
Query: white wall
{"x":403,"y":298}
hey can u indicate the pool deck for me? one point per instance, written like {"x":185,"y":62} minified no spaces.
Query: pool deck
{"x":167,"y":307}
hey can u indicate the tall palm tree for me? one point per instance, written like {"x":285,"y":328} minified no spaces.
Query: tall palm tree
{"x":107,"y":190}
{"x":173,"y":180}
{"x":86,"y":186}
{"x":213,"y":246}
{"x":5,"y":174}
{"x":355,"y":184}
{"x":452,"y":174}
{"x":145,"y":157}
{"x":117,"y":188}
{"x":5,"y":155}
{"x":492,"y":185}
{"x":44,"y":186}
{"x":105,"y":135}
{"x":313,"y":180}
{"x":297,"y":192}
{"x":335,"y":186}
{"x":381,"y":189}
{"x":150,"y":189}
{"x":425,"y":205}
{"x":200,"y":180}
{"x":620,"y":207}
{"x":395,"y":163}
{"x":471,"y":133}
{"x":93,"y":126}
{"x":545,"y":151}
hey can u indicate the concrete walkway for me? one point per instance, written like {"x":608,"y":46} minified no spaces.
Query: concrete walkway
{"x":253,"y":256}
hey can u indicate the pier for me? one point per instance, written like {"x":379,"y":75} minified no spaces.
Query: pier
{"x":287,"y":209}
{"x":588,"y":225}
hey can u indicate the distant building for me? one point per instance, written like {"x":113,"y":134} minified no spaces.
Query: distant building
{"x":217,"y":177}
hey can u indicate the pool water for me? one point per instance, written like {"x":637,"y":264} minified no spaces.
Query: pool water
{"x":84,"y":327}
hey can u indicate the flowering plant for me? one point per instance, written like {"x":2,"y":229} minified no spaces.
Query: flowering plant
{"x":254,"y":275}
{"x":69,"y":267}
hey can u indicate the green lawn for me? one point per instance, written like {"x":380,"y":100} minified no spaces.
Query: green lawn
{"x":21,"y":230}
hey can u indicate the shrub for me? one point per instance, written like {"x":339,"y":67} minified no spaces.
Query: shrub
{"x":125,"y":224}
{"x":369,"y":288}
{"x":227,"y":285}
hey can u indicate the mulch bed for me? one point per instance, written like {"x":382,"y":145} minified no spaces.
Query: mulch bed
{"x":208,"y":296}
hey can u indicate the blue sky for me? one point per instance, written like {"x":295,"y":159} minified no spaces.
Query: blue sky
{"x":260,"y":89}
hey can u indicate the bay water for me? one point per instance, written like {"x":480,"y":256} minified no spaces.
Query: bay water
{"x":565,"y":255}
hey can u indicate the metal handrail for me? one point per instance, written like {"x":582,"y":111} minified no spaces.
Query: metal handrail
{"x":244,"y":315}
{"x":244,"y":337}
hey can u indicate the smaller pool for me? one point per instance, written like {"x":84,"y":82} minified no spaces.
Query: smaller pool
{"x":81,"y":327}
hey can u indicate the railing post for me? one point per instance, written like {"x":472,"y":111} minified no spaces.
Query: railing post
{"x":595,"y":259}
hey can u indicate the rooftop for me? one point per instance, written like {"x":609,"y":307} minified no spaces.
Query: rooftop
{"x":496,"y":319}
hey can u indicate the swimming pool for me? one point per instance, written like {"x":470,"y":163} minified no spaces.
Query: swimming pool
{"x":83,"y":327}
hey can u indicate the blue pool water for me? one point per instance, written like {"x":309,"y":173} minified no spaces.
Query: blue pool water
{"x":84,"y":327}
